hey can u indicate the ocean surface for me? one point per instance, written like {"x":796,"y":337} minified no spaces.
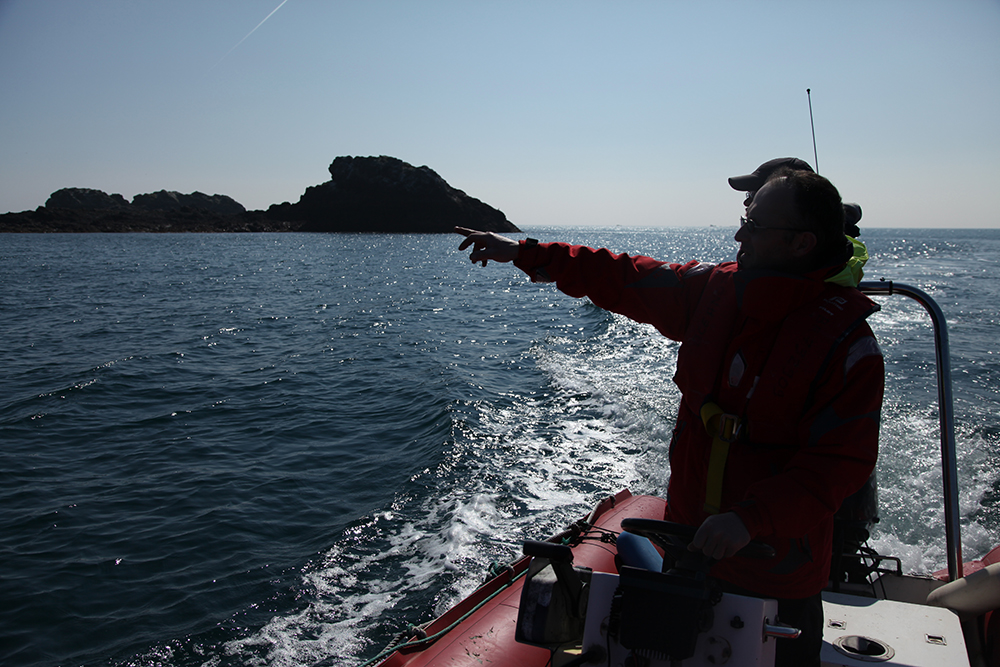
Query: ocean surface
{"x":281,"y":449}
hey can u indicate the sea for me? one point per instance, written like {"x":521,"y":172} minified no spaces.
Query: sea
{"x":282,"y":449}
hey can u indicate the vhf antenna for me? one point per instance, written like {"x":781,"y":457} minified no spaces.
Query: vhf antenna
{"x":815,"y":157}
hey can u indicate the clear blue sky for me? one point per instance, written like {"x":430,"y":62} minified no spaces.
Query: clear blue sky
{"x":588,"y":113}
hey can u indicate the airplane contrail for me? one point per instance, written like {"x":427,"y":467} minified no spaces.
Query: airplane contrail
{"x":251,"y":32}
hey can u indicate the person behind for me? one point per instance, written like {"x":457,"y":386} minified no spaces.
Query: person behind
{"x":781,"y":384}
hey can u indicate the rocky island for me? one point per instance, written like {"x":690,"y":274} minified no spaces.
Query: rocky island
{"x":364,"y":194}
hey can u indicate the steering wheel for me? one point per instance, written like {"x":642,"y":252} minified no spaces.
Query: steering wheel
{"x":656,"y":530}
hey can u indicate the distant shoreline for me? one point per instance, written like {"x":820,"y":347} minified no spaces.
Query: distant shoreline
{"x":44,"y":221}
{"x":365,"y":194}
{"x":194,"y":221}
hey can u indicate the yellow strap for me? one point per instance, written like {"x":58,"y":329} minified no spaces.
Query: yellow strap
{"x":724,"y":428}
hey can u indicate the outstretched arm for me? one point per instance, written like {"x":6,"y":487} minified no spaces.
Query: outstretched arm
{"x":487,"y":246}
{"x":641,"y":288}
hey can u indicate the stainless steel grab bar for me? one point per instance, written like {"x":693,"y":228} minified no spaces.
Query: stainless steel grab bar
{"x":946,"y":416}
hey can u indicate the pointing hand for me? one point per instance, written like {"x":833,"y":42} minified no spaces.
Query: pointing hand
{"x":487,"y":246}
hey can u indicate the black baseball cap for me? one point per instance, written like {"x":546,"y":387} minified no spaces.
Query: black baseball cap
{"x":755,"y":181}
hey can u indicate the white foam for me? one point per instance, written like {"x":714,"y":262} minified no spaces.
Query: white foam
{"x":524,"y":466}
{"x":911,"y":492}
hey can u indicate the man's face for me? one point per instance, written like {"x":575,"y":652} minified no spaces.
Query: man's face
{"x":771,"y":245}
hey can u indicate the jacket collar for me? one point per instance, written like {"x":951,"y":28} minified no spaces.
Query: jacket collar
{"x":771,"y":295}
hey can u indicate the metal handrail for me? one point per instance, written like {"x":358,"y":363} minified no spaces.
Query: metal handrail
{"x":946,"y":418}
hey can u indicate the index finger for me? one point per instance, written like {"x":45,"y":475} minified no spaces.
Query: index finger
{"x":469,"y":234}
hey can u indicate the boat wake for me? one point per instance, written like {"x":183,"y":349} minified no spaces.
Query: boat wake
{"x":526,"y":464}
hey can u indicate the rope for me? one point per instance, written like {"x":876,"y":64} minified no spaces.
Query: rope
{"x":437,"y":635}
{"x":577,"y":533}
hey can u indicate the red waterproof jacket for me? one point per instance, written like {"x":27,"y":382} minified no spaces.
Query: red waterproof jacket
{"x":791,"y":356}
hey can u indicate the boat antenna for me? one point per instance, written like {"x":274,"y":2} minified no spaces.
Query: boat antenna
{"x":815,"y":156}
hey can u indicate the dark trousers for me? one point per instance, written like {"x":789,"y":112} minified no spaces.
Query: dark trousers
{"x":806,"y":614}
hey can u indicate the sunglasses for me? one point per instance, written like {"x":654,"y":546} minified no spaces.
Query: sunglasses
{"x":753,"y":227}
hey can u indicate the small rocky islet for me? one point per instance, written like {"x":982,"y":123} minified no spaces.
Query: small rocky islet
{"x":364,"y":194}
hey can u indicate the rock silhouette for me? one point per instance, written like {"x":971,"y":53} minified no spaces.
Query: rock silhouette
{"x":172,"y":201}
{"x":385,"y":194}
{"x":365,"y":194}
{"x":85,"y":198}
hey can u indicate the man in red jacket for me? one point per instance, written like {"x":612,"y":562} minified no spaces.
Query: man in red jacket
{"x":781,"y":381}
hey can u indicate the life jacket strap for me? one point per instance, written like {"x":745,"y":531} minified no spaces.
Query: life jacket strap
{"x":724,"y":428}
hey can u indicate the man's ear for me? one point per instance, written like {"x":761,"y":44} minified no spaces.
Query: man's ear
{"x":803,"y":244}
